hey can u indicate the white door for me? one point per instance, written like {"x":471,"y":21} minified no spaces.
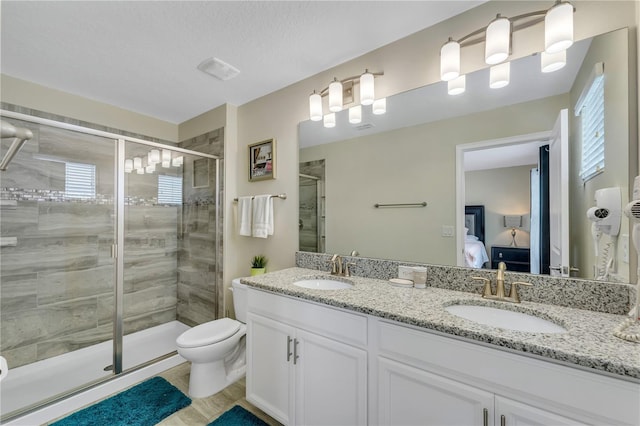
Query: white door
{"x":559,"y":195}
{"x":410,"y":396}
{"x":269,"y":357}
{"x":331,"y":382}
{"x":512,"y":413}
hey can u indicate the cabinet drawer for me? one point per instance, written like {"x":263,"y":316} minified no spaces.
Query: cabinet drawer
{"x":514,"y":254}
{"x":339,"y":325}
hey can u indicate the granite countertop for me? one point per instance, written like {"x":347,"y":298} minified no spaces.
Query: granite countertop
{"x":588,"y":343}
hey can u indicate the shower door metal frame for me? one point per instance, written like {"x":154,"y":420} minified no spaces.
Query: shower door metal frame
{"x":118,"y":247}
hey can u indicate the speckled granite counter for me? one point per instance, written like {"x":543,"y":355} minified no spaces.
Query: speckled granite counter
{"x":588,"y":343}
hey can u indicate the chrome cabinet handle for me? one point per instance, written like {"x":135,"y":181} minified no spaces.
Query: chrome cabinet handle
{"x":289,"y":339}
{"x":485,"y":417}
{"x":295,"y":351}
{"x":503,"y":420}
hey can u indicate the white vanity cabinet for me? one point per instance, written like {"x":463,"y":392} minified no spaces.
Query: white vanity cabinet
{"x":430,"y":379}
{"x":306,"y":363}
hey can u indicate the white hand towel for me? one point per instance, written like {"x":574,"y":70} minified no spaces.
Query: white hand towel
{"x":262,"y":216}
{"x":244,"y":215}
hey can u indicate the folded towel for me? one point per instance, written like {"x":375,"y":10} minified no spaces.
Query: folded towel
{"x":262,"y":225}
{"x":244,"y":215}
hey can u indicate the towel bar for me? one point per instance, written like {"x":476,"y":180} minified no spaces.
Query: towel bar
{"x":281,"y":196}
{"x":422,"y":204}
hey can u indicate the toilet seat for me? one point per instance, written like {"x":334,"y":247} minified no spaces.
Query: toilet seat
{"x":208,"y":333}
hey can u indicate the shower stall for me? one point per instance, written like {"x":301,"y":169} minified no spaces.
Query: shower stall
{"x":109,"y":249}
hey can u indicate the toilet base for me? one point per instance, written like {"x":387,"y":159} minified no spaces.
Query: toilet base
{"x":209,"y":378}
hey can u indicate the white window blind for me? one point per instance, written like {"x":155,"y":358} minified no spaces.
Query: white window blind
{"x":590,"y":108}
{"x":169,"y":189}
{"x":80,"y":180}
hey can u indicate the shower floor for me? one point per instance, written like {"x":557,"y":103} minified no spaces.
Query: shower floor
{"x":45,"y":379}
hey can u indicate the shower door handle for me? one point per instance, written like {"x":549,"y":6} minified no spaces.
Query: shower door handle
{"x":114,"y":251}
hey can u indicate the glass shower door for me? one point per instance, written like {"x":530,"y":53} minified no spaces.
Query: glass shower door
{"x":57,"y":274}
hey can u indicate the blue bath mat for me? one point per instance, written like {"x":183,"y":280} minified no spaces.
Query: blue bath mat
{"x":237,"y":416}
{"x":142,"y":405}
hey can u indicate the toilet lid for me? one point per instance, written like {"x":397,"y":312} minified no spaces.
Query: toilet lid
{"x":208,"y":333}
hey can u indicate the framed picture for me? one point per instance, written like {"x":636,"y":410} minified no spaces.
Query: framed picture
{"x":262,"y":160}
{"x":474,"y":220}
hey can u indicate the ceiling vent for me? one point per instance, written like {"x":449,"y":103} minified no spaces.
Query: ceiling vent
{"x":364,"y":126}
{"x":219,"y":69}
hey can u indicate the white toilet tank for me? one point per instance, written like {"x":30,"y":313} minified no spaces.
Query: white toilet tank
{"x":239,"y":299}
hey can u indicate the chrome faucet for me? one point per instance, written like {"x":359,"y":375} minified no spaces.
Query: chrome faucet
{"x":339,"y":267}
{"x":513,"y":295}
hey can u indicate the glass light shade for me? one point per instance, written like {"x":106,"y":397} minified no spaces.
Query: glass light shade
{"x":450,"y":60}
{"x":128,"y":166}
{"x":140,"y":171}
{"x":150,"y":168}
{"x":367,"y":95}
{"x":457,"y":86}
{"x":329,"y":120}
{"x":154,"y":156}
{"x":166,"y":164}
{"x":355,"y":114}
{"x":499,"y":75}
{"x":315,"y":107}
{"x":558,"y":28}
{"x":498,"y":39}
{"x":137,"y":163}
{"x":550,"y":62}
{"x":178,"y":161}
{"x":379,"y":106}
{"x":166,"y":155}
{"x":335,"y":96}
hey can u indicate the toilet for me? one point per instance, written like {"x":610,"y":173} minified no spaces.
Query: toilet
{"x":216,"y":349}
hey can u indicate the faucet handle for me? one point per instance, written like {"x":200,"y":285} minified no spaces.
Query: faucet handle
{"x":346,"y":270}
{"x":513,"y":292}
{"x":486,"y":291}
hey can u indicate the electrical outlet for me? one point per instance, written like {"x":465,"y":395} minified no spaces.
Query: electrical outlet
{"x":447,"y":231}
{"x":624,"y":239}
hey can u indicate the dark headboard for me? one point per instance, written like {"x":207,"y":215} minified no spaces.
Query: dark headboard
{"x":474,"y":220}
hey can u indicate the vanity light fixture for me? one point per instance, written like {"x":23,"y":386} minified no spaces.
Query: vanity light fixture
{"x":457,"y":86}
{"x":558,"y":29}
{"x":128,"y":166}
{"x":498,"y":40}
{"x":178,"y":161}
{"x":341,"y":91}
{"x":335,"y":95}
{"x":329,"y":120}
{"x":166,"y":158}
{"x":550,"y":62}
{"x":154,"y":156}
{"x":137,"y":163}
{"x":379,"y":106}
{"x":499,"y":75}
{"x":355,"y":114}
{"x":450,"y":60}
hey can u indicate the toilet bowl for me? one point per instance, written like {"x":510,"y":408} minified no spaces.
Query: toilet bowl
{"x":216,"y":349}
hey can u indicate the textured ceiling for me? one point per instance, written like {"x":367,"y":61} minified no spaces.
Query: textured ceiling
{"x":142,"y":55}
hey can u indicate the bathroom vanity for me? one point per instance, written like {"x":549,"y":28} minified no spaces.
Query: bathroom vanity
{"x":379,"y":354}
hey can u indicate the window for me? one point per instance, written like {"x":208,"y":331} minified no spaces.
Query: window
{"x":169,"y":189}
{"x":590,"y":108}
{"x":80,"y":180}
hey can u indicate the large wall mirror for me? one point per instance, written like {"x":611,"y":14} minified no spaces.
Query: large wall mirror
{"x":487,"y":148}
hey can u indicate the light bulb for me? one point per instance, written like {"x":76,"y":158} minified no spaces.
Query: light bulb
{"x":550,"y":62}
{"x":315,"y":107}
{"x":335,"y":96}
{"x":379,"y":106}
{"x":355,"y":114}
{"x":457,"y":86}
{"x":499,"y":75}
{"x":558,"y":28}
{"x":450,"y":60}
{"x":498,"y":39}
{"x":366,"y":88}
{"x":329,"y":120}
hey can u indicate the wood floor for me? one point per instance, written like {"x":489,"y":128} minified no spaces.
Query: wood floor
{"x":203,"y":411}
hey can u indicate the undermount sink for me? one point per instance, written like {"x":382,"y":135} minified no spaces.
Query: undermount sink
{"x":323,"y":284}
{"x":502,"y":318}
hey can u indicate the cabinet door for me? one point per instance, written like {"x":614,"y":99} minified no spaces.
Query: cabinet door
{"x":268,"y":368}
{"x":512,"y":413}
{"x":410,"y":396}
{"x":331,"y":382}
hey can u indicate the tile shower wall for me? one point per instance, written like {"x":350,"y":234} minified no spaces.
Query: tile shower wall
{"x":199,"y":266}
